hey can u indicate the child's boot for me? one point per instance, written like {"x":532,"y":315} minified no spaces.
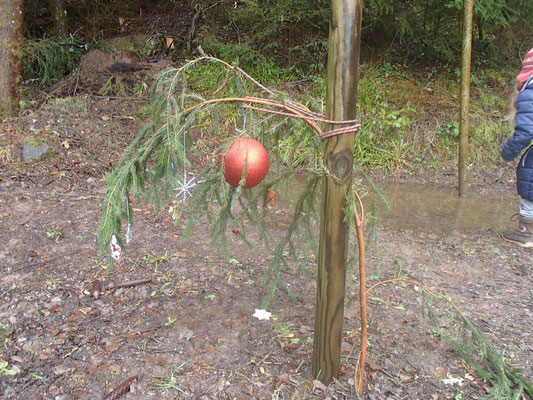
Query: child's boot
{"x":523,"y":236}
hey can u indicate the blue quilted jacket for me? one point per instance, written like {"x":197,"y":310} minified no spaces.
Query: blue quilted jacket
{"x":521,"y":139}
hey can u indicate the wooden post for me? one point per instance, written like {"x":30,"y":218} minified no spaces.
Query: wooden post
{"x":343,"y":61}
{"x":464,"y":114}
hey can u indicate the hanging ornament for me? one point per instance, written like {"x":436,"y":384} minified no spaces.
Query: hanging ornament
{"x":128,"y":231}
{"x":184,"y":186}
{"x":116,"y":251}
{"x":247,"y":154}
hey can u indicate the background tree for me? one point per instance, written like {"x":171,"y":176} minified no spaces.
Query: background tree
{"x":423,"y":31}
{"x":59,"y":14}
{"x":10,"y":55}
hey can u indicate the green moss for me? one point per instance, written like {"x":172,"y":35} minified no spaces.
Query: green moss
{"x":36,"y":141}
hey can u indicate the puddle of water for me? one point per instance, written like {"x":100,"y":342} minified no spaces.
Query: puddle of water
{"x":438,"y":210}
{"x":431,"y":209}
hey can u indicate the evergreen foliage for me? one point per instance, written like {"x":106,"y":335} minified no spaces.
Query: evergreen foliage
{"x":430,"y":31}
{"x":48,"y":60}
{"x":423,"y":31}
{"x":479,"y":353}
{"x":156,"y":160}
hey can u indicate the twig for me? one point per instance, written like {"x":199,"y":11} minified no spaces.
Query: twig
{"x":121,"y":389}
{"x":359,"y":223}
{"x":420,"y":286}
{"x":130,"y":283}
{"x":299,"y":366}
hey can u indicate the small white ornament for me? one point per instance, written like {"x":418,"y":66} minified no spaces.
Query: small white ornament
{"x":116,"y":251}
{"x":128,"y":234}
{"x":184,"y":187}
{"x":262,"y":314}
{"x":453,"y":380}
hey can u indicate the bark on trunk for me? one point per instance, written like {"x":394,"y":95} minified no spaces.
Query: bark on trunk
{"x":10,"y":55}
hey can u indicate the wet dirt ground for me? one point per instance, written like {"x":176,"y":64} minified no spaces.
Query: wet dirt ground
{"x":190,"y":332}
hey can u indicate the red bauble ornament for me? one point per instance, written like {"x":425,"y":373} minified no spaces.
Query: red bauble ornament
{"x":246,"y":153}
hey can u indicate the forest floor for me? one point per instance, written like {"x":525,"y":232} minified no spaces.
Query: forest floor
{"x":191,"y":332}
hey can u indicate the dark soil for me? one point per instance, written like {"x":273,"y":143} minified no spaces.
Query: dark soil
{"x":190,"y":332}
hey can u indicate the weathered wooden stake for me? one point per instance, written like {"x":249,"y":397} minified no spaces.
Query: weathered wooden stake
{"x":343,"y":61}
{"x":464,"y":114}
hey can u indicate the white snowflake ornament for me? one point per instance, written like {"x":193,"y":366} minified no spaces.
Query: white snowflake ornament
{"x":184,"y":187}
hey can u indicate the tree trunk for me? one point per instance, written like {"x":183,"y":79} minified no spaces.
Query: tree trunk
{"x":10,"y":55}
{"x":59,"y":14}
{"x":343,"y":61}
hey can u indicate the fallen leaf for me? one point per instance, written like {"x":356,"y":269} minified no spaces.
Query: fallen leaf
{"x":46,"y":354}
{"x":99,"y":368}
{"x":283,"y":378}
{"x":405,"y":377}
{"x":80,"y":393}
{"x":55,"y":301}
{"x":97,"y":289}
{"x":228,"y":323}
{"x":441,"y":372}
{"x":132,"y":335}
{"x":319,"y":385}
{"x":373,"y":365}
{"x":61,"y":369}
{"x":271,"y":196}
{"x":160,"y":361}
{"x":186,"y":334}
{"x":291,"y":345}
{"x":346,"y":347}
{"x":54,"y":308}
{"x":111,"y":345}
{"x":72,"y":317}
{"x":170,"y":42}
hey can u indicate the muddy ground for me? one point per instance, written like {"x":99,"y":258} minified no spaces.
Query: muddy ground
{"x":190,"y":332}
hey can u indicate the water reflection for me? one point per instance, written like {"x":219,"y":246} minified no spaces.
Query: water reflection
{"x":438,"y":210}
{"x":422,"y":208}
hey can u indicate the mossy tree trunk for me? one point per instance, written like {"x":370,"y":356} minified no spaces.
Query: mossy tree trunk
{"x":343,"y":61}
{"x":10,"y":55}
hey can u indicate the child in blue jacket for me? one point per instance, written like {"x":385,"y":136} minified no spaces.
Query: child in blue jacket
{"x":521,"y":139}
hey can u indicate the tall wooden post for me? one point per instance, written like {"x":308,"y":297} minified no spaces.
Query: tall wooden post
{"x":343,"y":61}
{"x":10,"y":55}
{"x":464,"y":114}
